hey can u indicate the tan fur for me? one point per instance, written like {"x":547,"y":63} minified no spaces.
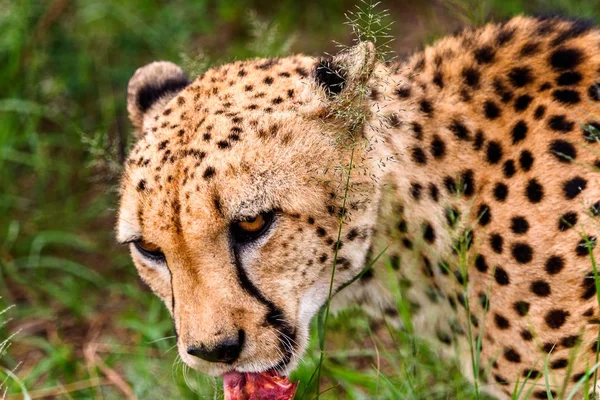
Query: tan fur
{"x":259,"y":135}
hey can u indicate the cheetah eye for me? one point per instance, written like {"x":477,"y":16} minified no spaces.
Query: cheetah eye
{"x":251,"y":229}
{"x":149,"y":251}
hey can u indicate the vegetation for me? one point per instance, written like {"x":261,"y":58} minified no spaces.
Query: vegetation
{"x":82,"y":325}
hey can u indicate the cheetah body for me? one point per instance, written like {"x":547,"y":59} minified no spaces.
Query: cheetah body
{"x":475,"y":175}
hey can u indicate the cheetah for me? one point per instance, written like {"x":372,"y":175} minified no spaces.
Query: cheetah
{"x":474,"y":170}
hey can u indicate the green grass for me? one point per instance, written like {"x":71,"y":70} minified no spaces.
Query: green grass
{"x":83,"y":326}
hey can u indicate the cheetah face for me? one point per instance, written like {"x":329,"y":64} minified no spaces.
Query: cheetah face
{"x":231,"y":202}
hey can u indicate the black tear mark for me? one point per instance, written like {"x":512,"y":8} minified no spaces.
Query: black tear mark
{"x":275,"y":317}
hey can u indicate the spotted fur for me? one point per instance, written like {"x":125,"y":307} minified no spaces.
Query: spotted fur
{"x":476,"y":149}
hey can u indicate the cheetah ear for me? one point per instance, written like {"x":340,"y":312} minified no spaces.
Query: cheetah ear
{"x":342,"y":74}
{"x":150,"y":89}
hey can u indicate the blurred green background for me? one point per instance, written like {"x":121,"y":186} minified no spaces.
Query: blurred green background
{"x":79,"y":324}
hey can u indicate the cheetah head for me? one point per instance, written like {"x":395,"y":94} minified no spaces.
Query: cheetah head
{"x":231,"y":201}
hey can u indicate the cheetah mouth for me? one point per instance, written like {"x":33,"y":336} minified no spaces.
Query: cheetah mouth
{"x":268,"y":385}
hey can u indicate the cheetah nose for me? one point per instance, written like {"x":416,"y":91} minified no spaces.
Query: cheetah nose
{"x":226,"y":351}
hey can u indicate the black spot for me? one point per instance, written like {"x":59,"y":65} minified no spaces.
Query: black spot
{"x":569,"y":78}
{"x":534,"y":191}
{"x":452,"y":216}
{"x":509,"y":168}
{"x":428,"y":233}
{"x":491,"y":110}
{"x":443,"y":267}
{"x":527,"y":336}
{"x":567,"y":221}
{"x":438,"y":147}
{"x":438,"y":79}
{"x":543,"y":394}
{"x":407,"y":243}
{"x":545,"y":86}
{"x":522,"y":102}
{"x":520,"y":76}
{"x":426,"y":107}
{"x":402,"y":227}
{"x":484,"y":54}
{"x":512,"y":355}
{"x":556,"y":318}
{"x":418,"y":156}
{"x":526,"y":160}
{"x":151,"y":93}
{"x":519,"y":131}
{"x":209,"y":172}
{"x":484,"y":215}
{"x":560,"y":123}
{"x":500,"y":191}
{"x":540,"y":288}
{"x":302,"y":72}
{"x":500,"y":90}
{"x":141,"y":186}
{"x":501,"y":276}
{"x":522,"y":253}
{"x":460,"y":278}
{"x":558,"y":364}
{"x":570,"y":341}
{"x":269,"y":80}
{"x":554,"y":265}
{"x":467,"y":182}
{"x":479,"y":140}
{"x":504,"y":36}
{"x":480,"y":263}
{"x":578,"y":28}
{"x":577,"y":377}
{"x":320,"y":231}
{"x":494,"y":152}
{"x":566,"y":96}
{"x":532,"y":373}
{"x":501,"y":322}
{"x":563,"y":150}
{"x":415,"y":190}
{"x":521,"y":307}
{"x":589,"y":286}
{"x":565,"y":58}
{"x":434,"y":192}
{"x":223,"y":144}
{"x":443,"y":337}
{"x":539,"y":112}
{"x":501,"y":380}
{"x":585,"y":246}
{"x":548,"y":347}
{"x":353,"y":234}
{"x":450,"y":184}
{"x":573,"y":187}
{"x":591,"y":132}
{"x":329,"y":76}
{"x":594,"y":91}
{"x":595,"y":209}
{"x":395,"y":262}
{"x":471,"y":76}
{"x":484,"y":301}
{"x":460,"y":130}
{"x":529,"y":49}
{"x":519,"y":225}
{"x":497,"y":243}
{"x":403,"y":92}
{"x":418,"y":129}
